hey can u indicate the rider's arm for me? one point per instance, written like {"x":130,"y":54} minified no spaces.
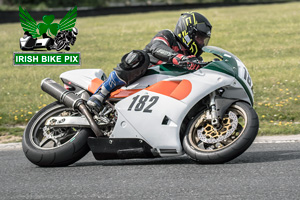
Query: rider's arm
{"x":161,"y":46}
{"x":164,"y":47}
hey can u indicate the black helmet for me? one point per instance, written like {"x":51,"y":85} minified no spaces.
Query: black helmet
{"x":193,"y":30}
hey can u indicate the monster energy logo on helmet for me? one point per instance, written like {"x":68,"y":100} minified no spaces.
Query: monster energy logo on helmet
{"x":188,"y":26}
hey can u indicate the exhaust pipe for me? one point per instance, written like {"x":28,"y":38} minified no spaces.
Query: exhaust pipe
{"x":71,"y":100}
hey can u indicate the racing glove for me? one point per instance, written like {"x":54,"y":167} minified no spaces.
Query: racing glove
{"x":187,"y":62}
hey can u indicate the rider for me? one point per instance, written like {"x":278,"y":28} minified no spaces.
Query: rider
{"x":64,"y":38}
{"x":180,"y":48}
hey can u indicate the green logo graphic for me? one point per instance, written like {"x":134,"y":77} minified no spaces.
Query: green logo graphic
{"x":30,"y":25}
{"x":55,"y":36}
{"x":64,"y":33}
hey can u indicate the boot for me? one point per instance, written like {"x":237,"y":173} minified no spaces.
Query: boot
{"x":96,"y":100}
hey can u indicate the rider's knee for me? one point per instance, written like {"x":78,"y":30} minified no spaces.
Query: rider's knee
{"x":133,"y":65}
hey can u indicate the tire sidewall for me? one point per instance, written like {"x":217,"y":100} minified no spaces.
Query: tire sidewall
{"x":62,"y":156}
{"x":233,"y":150}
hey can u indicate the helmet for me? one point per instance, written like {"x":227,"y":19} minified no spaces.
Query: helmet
{"x":193,"y":30}
{"x":74,"y":31}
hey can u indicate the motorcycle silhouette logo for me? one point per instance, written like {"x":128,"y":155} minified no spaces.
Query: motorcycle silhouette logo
{"x":32,"y":30}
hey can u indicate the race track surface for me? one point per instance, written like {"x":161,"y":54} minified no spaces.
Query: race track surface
{"x":264,"y":171}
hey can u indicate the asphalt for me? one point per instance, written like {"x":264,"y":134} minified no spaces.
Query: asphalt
{"x":260,"y":139}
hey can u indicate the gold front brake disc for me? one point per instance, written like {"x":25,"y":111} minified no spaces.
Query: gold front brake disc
{"x":209,"y":134}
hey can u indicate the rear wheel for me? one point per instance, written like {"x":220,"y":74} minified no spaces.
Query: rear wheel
{"x":47,"y":146}
{"x":207,"y":145}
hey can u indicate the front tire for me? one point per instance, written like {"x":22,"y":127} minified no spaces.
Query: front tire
{"x":206,"y":145}
{"x":60,"y":45}
{"x":54,"y":147}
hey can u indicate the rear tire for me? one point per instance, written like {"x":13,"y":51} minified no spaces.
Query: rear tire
{"x":206,"y":146}
{"x":54,"y":147}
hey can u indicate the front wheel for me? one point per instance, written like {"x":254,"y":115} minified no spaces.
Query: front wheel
{"x":207,"y":145}
{"x":60,"y":45}
{"x":48,"y":146}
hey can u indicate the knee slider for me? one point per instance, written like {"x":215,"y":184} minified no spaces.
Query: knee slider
{"x":133,"y":65}
{"x":132,"y":59}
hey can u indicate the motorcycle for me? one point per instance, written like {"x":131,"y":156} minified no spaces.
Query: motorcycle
{"x":207,"y":114}
{"x":27,"y":42}
{"x":64,"y":39}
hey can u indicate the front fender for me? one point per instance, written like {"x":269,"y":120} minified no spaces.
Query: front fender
{"x":222,"y":104}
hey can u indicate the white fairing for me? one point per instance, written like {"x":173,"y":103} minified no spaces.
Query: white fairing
{"x":42,"y":42}
{"x":244,"y":75}
{"x":157,"y":118}
{"x":83,"y":77}
{"x":23,"y":41}
{"x":149,"y":126}
{"x":39,"y":43}
{"x":146,"y":81}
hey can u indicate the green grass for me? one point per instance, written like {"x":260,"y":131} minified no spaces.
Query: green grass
{"x":265,"y":37}
{"x":15,"y":131}
{"x":10,"y":134}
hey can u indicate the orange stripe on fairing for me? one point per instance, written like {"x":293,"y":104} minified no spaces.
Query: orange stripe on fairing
{"x":175,"y":89}
{"x":164,"y":87}
{"x":95,"y":83}
{"x":120,"y":93}
{"x":182,"y":90}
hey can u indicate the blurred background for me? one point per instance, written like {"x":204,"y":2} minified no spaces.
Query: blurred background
{"x":45,"y":4}
{"x":263,"y":34}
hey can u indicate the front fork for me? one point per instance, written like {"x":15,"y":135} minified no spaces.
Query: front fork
{"x":214,"y":117}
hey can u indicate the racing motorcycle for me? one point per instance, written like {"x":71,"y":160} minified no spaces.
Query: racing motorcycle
{"x":207,"y":114}
{"x":64,"y":39}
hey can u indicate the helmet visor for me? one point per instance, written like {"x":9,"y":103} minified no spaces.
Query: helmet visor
{"x":201,"y":39}
{"x":204,"y":29}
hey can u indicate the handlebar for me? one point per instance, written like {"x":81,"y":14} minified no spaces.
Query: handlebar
{"x":194,"y":61}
